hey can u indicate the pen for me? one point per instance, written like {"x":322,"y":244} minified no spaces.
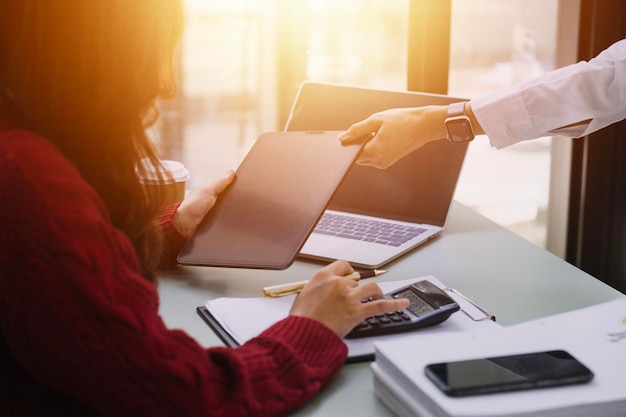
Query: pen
{"x":295,"y":287}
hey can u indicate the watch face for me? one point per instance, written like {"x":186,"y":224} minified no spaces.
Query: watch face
{"x":459,"y":130}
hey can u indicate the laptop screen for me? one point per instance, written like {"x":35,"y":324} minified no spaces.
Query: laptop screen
{"x":419,"y":188}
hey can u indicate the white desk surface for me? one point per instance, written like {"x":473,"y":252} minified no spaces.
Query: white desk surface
{"x":510,"y":277}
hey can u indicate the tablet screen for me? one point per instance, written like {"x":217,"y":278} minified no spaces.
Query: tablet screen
{"x":280,"y":191}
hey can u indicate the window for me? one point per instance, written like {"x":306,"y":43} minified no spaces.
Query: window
{"x":241,"y":62}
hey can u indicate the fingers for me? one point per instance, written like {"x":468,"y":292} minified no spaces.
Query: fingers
{"x":334,"y":270}
{"x":221,"y":183}
{"x":359,"y":132}
{"x":370,"y":290}
{"x":198,"y":203}
{"x":379,"y":304}
{"x":384,"y":305}
{"x":210,"y":191}
{"x":339,"y":267}
{"x":373,"y":154}
{"x":337,"y":302}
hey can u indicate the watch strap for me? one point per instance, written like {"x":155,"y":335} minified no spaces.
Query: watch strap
{"x":458,"y":124}
{"x":456,"y":109}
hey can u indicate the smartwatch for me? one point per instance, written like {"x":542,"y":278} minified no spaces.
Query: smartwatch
{"x":458,"y":125}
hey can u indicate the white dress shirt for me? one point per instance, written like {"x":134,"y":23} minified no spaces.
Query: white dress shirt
{"x":593,"y":90}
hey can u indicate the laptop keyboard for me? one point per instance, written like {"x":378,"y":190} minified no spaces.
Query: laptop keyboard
{"x":366,"y":230}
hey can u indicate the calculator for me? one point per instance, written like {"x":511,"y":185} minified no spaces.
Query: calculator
{"x":429,"y":306}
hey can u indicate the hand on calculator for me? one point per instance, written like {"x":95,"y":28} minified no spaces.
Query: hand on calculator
{"x":430,"y":305}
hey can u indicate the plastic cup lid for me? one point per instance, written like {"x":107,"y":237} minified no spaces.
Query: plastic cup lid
{"x":148,"y":172}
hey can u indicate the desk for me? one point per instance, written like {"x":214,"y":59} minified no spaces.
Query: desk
{"x":509,"y":276}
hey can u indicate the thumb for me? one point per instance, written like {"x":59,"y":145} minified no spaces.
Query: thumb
{"x":223,"y":182}
{"x":359,"y":132}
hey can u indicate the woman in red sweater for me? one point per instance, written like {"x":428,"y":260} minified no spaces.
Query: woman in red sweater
{"x":80,"y":332}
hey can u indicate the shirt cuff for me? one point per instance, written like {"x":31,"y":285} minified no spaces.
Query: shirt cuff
{"x":504,"y":117}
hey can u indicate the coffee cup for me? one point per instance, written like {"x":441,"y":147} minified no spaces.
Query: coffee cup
{"x":174,"y":175}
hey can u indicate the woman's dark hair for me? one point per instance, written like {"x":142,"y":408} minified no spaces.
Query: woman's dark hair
{"x":86,"y":74}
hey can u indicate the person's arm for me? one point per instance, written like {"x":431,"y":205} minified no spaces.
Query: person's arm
{"x":573,"y":101}
{"x":392,"y":134}
{"x":79,"y":318}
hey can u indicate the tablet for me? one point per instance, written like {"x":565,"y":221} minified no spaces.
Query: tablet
{"x":280,"y":191}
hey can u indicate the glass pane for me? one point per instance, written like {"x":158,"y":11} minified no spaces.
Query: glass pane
{"x":358,"y":42}
{"x":242,"y":61}
{"x":219,"y":85}
{"x":495,"y":43}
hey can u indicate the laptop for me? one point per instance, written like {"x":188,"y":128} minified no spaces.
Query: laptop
{"x":377,"y":215}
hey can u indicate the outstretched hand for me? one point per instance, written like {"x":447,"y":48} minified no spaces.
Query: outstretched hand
{"x":337,"y":302}
{"x":197,"y":204}
{"x":393,"y":134}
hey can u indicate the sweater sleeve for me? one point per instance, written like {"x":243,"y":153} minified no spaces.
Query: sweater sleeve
{"x":173,"y":239}
{"x":77,"y":316}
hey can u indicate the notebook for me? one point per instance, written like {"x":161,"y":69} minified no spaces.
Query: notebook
{"x":406,"y":204}
{"x":279,"y":193}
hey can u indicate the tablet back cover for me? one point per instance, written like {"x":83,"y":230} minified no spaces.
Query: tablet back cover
{"x":280,"y":191}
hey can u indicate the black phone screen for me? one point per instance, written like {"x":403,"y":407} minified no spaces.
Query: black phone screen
{"x":508,"y":373}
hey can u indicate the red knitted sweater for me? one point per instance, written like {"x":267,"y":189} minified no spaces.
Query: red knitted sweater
{"x":80,"y":330}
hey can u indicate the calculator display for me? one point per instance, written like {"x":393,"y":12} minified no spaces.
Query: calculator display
{"x":417,"y":306}
{"x":432,"y":293}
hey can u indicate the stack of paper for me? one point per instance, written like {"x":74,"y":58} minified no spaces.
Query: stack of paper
{"x":589,"y":334}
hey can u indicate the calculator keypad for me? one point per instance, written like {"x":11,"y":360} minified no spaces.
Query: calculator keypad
{"x":385,"y":319}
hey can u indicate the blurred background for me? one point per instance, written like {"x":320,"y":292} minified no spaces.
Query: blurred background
{"x":241,"y":61}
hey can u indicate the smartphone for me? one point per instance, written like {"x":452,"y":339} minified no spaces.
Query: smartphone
{"x":508,"y":373}
{"x":430,"y":305}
